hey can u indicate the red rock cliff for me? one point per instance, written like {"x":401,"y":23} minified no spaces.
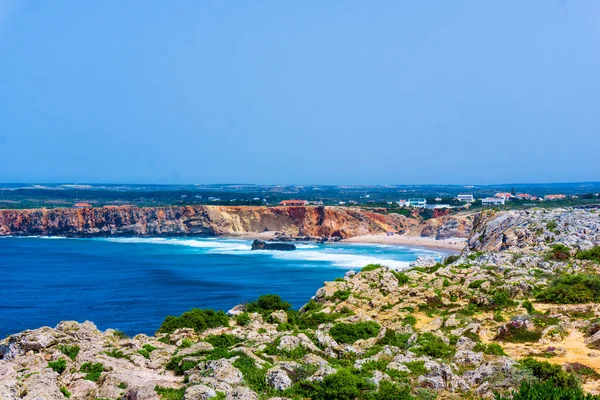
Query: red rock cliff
{"x":200,"y":220}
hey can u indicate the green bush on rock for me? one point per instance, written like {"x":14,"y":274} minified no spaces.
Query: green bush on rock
{"x":570,"y":289}
{"x":350,"y":333}
{"x":196,"y":318}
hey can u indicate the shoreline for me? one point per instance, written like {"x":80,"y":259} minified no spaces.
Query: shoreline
{"x":454,"y":244}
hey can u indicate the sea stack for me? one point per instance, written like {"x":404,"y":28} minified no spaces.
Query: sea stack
{"x":261,"y":245}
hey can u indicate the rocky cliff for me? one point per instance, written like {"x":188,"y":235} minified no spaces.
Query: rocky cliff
{"x":200,"y":220}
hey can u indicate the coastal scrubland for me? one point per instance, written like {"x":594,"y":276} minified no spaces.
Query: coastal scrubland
{"x":515,"y":315}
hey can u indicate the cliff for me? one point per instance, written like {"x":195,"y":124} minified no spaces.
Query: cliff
{"x":200,"y":220}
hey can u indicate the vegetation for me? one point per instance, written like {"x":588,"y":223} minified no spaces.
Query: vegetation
{"x":65,"y":392}
{"x":350,"y":333}
{"x":268,"y":303}
{"x":169,"y":393}
{"x":371,"y":267}
{"x":243,"y":319}
{"x":592,"y":254}
{"x":146,"y":350}
{"x":254,"y":376}
{"x":517,"y":332}
{"x":92,"y":371}
{"x":197,"y":319}
{"x":546,"y":390}
{"x":224,"y":340}
{"x":491,"y":348}
{"x":70,"y":351}
{"x":547,"y":372}
{"x":570,"y":289}
{"x":120,"y":334}
{"x":58,"y":366}
{"x":558,"y":252}
{"x":343,"y":385}
{"x":432,"y":346}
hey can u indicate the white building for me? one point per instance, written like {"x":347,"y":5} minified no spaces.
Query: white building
{"x":421,"y":203}
{"x":493,"y":201}
{"x":465,"y":197}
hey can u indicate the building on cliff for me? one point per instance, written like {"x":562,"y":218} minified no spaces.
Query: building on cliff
{"x":466,"y":198}
{"x":488,"y":201}
{"x":294,"y":203}
{"x":420,"y":203}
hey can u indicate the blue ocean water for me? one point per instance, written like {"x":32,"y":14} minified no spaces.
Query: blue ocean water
{"x":131,"y":284}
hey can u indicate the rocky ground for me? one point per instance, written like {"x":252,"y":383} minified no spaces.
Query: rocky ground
{"x":480,"y":323}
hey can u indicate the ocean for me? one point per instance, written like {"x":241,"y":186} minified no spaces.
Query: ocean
{"x":132,"y":284}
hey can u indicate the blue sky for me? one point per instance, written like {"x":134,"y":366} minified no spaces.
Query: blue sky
{"x":281,"y":92}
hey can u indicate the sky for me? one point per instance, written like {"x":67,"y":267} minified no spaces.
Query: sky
{"x":299,"y":92}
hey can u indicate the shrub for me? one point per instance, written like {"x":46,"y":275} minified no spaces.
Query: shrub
{"x":120,"y":334}
{"x":267,"y":303}
{"x":313,"y":320}
{"x":92,"y":371}
{"x":501,"y":299}
{"x":65,"y":392}
{"x":450,"y":259}
{"x":116,"y":354}
{"x":343,"y":385}
{"x":196,"y":318}
{"x":592,"y":254}
{"x":552,"y":225}
{"x":392,"y":391}
{"x":146,"y":350}
{"x":224,"y":340}
{"x":582,"y":371}
{"x":410,"y":319}
{"x":558,"y":252}
{"x":341,"y":294}
{"x":402,"y":278}
{"x":545,"y":371}
{"x":391,"y":338}
{"x":476,"y":284}
{"x":546,"y":391}
{"x":416,"y":367}
{"x":350,"y":333}
{"x":254,"y":377}
{"x":517,"y":332}
{"x":491,"y":348}
{"x":243,"y":319}
{"x":169,"y":393}
{"x":432,"y":346}
{"x":58,"y":365}
{"x":371,"y":267}
{"x":70,"y":351}
{"x":580,"y":288}
{"x":529,"y":307}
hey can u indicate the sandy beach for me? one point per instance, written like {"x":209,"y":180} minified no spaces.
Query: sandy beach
{"x":454,"y":244}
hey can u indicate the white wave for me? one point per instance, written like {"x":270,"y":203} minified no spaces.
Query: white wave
{"x":208,"y":244}
{"x":306,"y":246}
{"x":340,"y":260}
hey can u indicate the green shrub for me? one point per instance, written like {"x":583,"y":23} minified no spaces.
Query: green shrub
{"x":391,"y":338}
{"x":545,"y":371}
{"x":58,"y":365}
{"x":243,"y":319}
{"x":92,"y":371}
{"x":350,"y":333}
{"x":410,"y":319}
{"x":572,"y":289}
{"x":450,"y":259}
{"x":491,"y":348}
{"x":501,"y":299}
{"x":65,"y":392}
{"x":392,"y":391}
{"x":546,"y":391}
{"x":116,"y":354}
{"x":401,"y":277}
{"x":120,"y":334}
{"x":476,"y":284}
{"x":552,"y":225}
{"x":170,"y":393}
{"x":416,"y":368}
{"x":224,"y":340}
{"x":343,"y":385}
{"x":432,"y":346}
{"x":516,"y":332}
{"x":196,"y":318}
{"x":558,"y":252}
{"x":313,"y":320}
{"x":267,"y":303}
{"x":341,"y":295}
{"x":254,"y":376}
{"x":70,"y":351}
{"x":146,"y":350}
{"x":371,"y":267}
{"x":592,"y":254}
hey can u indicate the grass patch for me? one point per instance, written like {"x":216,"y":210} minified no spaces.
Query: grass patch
{"x":92,"y":371}
{"x":169,"y":393}
{"x":70,"y":351}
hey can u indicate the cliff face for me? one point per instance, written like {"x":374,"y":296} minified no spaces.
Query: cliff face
{"x":200,"y":220}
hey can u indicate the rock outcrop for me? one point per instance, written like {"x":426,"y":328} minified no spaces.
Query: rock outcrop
{"x":261,"y":245}
{"x":316,"y":222}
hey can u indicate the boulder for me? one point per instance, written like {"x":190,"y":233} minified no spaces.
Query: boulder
{"x":260,"y":245}
{"x":278,"y":379}
{"x":199,"y":392}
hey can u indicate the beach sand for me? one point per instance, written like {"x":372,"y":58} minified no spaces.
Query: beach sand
{"x":454,"y":244}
